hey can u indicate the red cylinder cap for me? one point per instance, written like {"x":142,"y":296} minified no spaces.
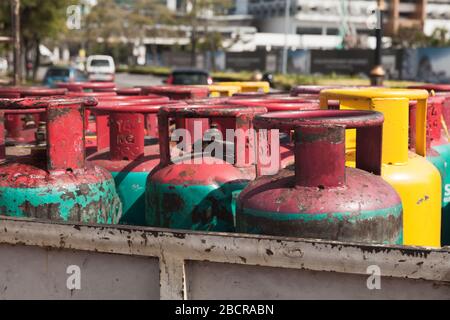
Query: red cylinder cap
{"x":242,"y":117}
{"x":369,"y":125}
{"x":65,"y":129}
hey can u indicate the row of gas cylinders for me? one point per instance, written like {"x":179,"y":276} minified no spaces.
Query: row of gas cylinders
{"x":347,"y":164}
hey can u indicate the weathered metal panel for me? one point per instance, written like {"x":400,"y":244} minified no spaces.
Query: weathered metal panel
{"x":189,"y":263}
{"x":265,"y":283}
{"x":30,"y":272}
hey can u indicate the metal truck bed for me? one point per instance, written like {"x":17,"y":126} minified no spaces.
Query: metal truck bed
{"x":37,"y":259}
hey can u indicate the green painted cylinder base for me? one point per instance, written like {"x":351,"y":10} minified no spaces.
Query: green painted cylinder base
{"x":193,"y":207}
{"x":131,"y":190}
{"x":86,"y":203}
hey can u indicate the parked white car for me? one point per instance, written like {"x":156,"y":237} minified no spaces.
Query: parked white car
{"x":100,"y":68}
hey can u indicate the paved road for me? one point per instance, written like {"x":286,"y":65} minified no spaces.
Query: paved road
{"x":130,"y":80}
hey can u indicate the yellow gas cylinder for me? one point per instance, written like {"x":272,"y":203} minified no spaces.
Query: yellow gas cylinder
{"x":416,"y":180}
{"x":248,"y":86}
{"x":216,"y":91}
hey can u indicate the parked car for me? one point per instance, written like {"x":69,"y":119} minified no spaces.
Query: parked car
{"x":100,"y":68}
{"x":63,"y":74}
{"x":189,"y":77}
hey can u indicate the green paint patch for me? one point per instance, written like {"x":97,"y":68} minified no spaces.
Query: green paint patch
{"x":88,"y":203}
{"x":331,"y":217}
{"x":195,"y":207}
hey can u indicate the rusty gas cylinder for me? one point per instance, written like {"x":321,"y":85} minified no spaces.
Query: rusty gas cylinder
{"x":176,"y":92}
{"x":197,"y":190}
{"x":281,"y":103}
{"x":21,"y":128}
{"x":439,"y":90}
{"x":319,"y":197}
{"x":128,"y":159}
{"x":62,"y":187}
{"x":102,"y":131}
{"x":89,"y":121}
{"x":86,"y":86}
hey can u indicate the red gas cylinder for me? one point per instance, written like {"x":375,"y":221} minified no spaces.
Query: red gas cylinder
{"x":176,"y":92}
{"x":281,"y":104}
{"x":102,"y":137}
{"x":128,"y":159}
{"x":89,"y":122}
{"x":59,"y":186}
{"x":319,"y":197}
{"x":196,"y":190}
{"x":435,"y":136}
{"x":86,"y":86}
{"x":440,"y":90}
{"x":21,"y":128}
{"x":15,"y":151}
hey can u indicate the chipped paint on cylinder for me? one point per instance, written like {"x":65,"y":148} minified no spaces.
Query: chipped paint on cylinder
{"x":127,"y":136}
{"x":198,"y":196}
{"x":87,"y":196}
{"x":60,"y":187}
{"x":213,"y":206}
{"x":324,"y":200}
{"x":65,"y":137}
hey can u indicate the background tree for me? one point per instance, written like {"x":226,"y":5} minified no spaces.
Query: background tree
{"x":40,"y":20}
{"x":105,"y":22}
{"x":143,"y":19}
{"x":415,"y":38}
{"x":196,"y":17}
